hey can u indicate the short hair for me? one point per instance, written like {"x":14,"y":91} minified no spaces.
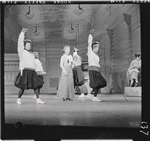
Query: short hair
{"x":65,"y":48}
{"x":137,"y":54}
{"x":27,"y":41}
{"x":77,"y":50}
{"x":95,"y":43}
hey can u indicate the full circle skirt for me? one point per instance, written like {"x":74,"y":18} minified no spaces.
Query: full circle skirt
{"x":28,"y":80}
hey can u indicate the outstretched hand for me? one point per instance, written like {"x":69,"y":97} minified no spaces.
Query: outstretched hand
{"x":24,"y":30}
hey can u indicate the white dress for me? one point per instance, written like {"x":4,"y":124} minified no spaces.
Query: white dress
{"x":66,"y":83}
{"x":133,"y":69}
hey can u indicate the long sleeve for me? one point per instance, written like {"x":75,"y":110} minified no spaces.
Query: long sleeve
{"x":42,"y":69}
{"x":21,"y":42}
{"x":38,"y":66}
{"x":90,"y":39}
{"x":93,"y":59}
{"x":62,"y":62}
{"x":77,"y":59}
{"x":131,"y":67}
{"x":134,"y":64}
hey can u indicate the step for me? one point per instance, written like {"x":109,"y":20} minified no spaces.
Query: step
{"x":133,"y":91}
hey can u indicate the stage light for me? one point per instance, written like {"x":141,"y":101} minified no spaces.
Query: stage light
{"x":78,"y":11}
{"x":30,"y":14}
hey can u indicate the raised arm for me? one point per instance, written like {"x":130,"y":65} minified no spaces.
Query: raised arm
{"x":90,"y":39}
{"x":21,"y":40}
{"x":62,"y":65}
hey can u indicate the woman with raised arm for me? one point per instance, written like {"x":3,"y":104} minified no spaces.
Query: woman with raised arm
{"x":66,"y":85}
{"x":27,"y":77}
{"x":97,"y":81}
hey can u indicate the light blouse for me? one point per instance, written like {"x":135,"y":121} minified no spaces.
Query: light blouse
{"x":38,"y":66}
{"x":66,"y":60}
{"x":93,"y":58}
{"x":76,"y":59}
{"x":27,"y":59}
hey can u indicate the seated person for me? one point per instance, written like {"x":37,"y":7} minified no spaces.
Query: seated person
{"x":134,"y":70}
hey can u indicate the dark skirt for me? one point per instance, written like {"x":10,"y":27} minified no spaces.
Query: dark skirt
{"x":78,"y":76}
{"x":28,"y":80}
{"x":40,"y":76}
{"x":97,"y":81}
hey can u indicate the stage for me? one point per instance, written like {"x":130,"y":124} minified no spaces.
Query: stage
{"x":114,"y":111}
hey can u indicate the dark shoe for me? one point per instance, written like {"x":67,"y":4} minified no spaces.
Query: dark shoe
{"x":63,"y":99}
{"x":69,"y":99}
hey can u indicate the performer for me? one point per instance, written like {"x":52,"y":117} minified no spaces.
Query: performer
{"x":96,"y":79}
{"x":77,"y":72}
{"x":66,"y":84}
{"x":27,"y":77}
{"x":134,"y":70}
{"x":38,"y":68}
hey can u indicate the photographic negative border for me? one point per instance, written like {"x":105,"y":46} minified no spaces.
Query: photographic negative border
{"x":58,"y":132}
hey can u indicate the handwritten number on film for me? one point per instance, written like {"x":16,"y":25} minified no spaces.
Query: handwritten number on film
{"x":144,"y":128}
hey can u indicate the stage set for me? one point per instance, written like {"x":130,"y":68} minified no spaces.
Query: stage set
{"x":50,"y":28}
{"x":114,"y":111}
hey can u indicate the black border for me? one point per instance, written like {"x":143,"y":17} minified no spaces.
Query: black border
{"x":43,"y":133}
{"x":145,"y":27}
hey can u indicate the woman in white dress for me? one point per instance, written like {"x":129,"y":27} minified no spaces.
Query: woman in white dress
{"x":66,"y":85}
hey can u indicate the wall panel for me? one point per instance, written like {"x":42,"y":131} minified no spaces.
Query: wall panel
{"x":10,"y":33}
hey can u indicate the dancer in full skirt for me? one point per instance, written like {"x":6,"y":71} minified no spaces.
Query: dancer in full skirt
{"x":27,"y":77}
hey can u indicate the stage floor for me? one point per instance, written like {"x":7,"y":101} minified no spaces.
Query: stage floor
{"x":114,"y":111}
